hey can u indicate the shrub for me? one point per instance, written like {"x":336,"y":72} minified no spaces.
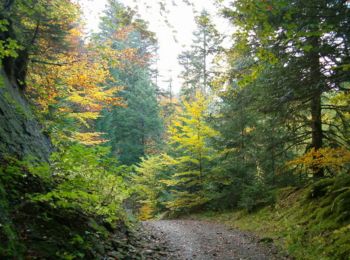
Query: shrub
{"x":86,"y":179}
{"x":255,"y":196}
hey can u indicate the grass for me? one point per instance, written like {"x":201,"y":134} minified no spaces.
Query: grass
{"x":307,"y":228}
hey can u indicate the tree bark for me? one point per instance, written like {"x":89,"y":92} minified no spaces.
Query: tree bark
{"x":316,"y":103}
{"x":316,"y":127}
{"x":14,"y":67}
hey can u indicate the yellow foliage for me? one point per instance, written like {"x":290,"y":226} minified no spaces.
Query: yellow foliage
{"x":342,"y":99}
{"x":190,"y":166}
{"x":335,"y":159}
{"x":189,"y":130}
{"x":92,"y":138}
{"x":186,"y":200}
{"x":73,"y":82}
{"x":146,"y":211}
{"x":83,"y":117}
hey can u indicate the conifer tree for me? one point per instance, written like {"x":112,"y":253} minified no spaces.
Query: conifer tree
{"x":206,"y":43}
{"x":301,"y":54}
{"x":135,"y":130}
{"x":191,"y":156}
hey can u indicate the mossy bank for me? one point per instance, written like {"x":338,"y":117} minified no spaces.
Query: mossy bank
{"x":307,"y":223}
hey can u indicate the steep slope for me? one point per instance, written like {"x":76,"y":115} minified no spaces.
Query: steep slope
{"x":20,"y":133}
{"x":38,"y":229}
{"x":20,"y":137}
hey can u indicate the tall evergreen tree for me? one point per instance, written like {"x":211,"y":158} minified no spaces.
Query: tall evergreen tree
{"x":301,"y":49}
{"x":197,"y":73}
{"x":135,"y":130}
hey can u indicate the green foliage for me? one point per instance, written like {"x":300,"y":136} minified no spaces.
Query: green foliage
{"x":299,"y":42}
{"x":86,"y":179}
{"x":31,"y":32}
{"x":65,"y":209}
{"x":278,"y":103}
{"x":14,"y":181}
{"x":133,"y":131}
{"x":30,"y":16}
{"x":191,"y":158}
{"x":255,"y":196}
{"x":253,"y":144}
{"x":9,"y":244}
{"x":8,"y":47}
{"x":297,"y":223}
{"x":150,"y":191}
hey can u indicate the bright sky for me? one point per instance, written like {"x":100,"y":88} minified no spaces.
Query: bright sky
{"x":181,"y":17}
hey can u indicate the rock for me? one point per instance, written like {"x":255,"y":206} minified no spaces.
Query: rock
{"x":149,"y":251}
{"x":20,"y":134}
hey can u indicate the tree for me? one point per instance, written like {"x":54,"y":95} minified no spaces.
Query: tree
{"x":133,"y":131}
{"x":302,"y":48}
{"x":191,"y":156}
{"x":67,"y":96}
{"x":39,"y":28}
{"x":151,"y":192}
{"x":206,"y":43}
{"x":253,"y":144}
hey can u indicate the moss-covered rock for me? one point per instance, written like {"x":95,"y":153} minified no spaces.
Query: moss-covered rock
{"x":20,"y":133}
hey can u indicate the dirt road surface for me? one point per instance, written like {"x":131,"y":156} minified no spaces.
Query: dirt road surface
{"x":189,"y":239}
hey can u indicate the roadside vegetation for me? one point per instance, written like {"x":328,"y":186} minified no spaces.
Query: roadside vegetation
{"x":257,"y":138}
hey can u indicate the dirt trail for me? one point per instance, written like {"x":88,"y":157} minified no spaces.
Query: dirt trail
{"x":188,"y":239}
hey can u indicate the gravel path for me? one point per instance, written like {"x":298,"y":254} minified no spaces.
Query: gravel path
{"x":188,"y":239}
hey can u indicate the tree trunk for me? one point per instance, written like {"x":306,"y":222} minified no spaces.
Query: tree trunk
{"x":204,"y":62}
{"x":14,"y":67}
{"x":316,"y":110}
{"x":316,"y":127}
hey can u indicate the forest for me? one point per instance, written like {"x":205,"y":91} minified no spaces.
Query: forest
{"x":96,"y":156}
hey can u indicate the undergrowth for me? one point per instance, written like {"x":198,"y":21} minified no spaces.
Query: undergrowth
{"x":309,"y":223}
{"x":71,"y":208}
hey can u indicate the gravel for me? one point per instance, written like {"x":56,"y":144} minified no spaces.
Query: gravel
{"x":189,"y":239}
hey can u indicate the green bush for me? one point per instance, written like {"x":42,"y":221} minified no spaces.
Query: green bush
{"x":255,"y":196}
{"x":87,"y":179}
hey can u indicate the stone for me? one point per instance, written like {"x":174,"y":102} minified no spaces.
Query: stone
{"x":20,"y":134}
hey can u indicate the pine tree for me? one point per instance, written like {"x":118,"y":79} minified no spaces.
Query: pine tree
{"x":300,"y":49}
{"x":134,"y":130}
{"x":206,"y":43}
